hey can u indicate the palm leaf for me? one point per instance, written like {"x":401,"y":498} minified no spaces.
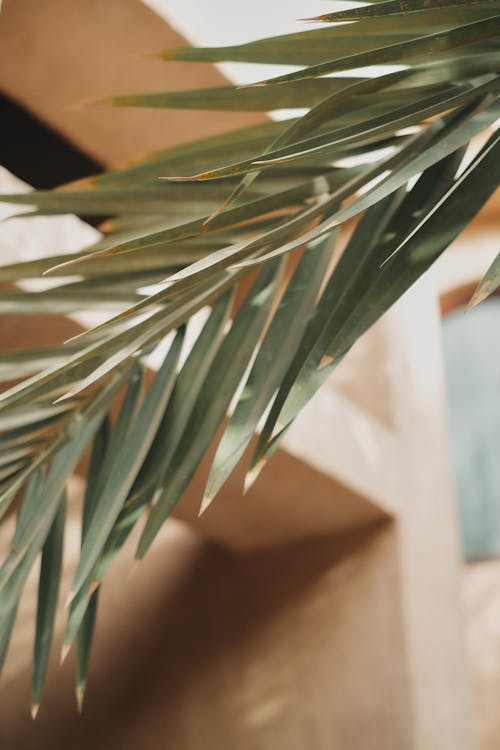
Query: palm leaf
{"x":389,"y":150}
{"x":48,"y":592}
{"x":489,"y":283}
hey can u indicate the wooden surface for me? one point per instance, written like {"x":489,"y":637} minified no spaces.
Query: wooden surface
{"x":56,"y":54}
{"x":300,"y":647}
{"x":430,"y":556}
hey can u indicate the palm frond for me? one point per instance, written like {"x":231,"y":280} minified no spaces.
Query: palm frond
{"x":388,"y":149}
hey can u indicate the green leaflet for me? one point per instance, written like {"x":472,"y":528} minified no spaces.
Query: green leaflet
{"x":31,"y":498}
{"x":6,"y":628}
{"x":84,"y":625}
{"x":488,"y":284}
{"x":432,"y":184}
{"x":48,"y":593}
{"x":177,"y":304}
{"x":23,"y":362}
{"x":106,"y":201}
{"x":97,"y":359}
{"x":84,"y":645}
{"x":322,"y":113}
{"x":63,"y":300}
{"x":213,"y":400}
{"x":14,"y":573}
{"x":367,"y":37}
{"x":334,"y":141}
{"x":14,"y":454}
{"x":121,"y":272}
{"x":10,"y":468}
{"x":415,"y":49}
{"x":98,"y":457}
{"x":184,"y":394}
{"x":441,"y":223}
{"x":100,"y":449}
{"x":280,"y":235}
{"x":237,"y":215}
{"x":21,"y":435}
{"x":458,"y":129}
{"x":247,"y":253}
{"x":395,"y":119}
{"x":118,"y":482}
{"x":32,"y":433}
{"x":77,"y":433}
{"x":205,"y":151}
{"x":76,"y":617}
{"x":426,"y":242}
{"x":296,"y":94}
{"x":274,"y":356}
{"x":186,"y":388}
{"x":351,"y":267}
{"x":397,"y":7}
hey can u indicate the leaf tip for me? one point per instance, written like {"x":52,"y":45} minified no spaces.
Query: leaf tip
{"x":69,"y":598}
{"x":78,"y":106}
{"x":125,"y":101}
{"x":171,"y":53}
{"x":253,"y":85}
{"x":253,"y":474}
{"x":483,"y":290}
{"x":66,"y":264}
{"x":145,"y":56}
{"x":177,"y":178}
{"x":64,"y":652}
{"x":34,"y":710}
{"x":71,"y":340}
{"x":80,"y":695}
{"x":326,"y":360}
{"x":263,"y":162}
{"x":215,"y":213}
{"x":94,"y":585}
{"x":205,"y":504}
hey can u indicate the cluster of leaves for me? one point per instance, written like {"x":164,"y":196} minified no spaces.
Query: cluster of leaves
{"x":390,"y":149}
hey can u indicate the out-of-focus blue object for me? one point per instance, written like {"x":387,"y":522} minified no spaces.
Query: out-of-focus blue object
{"x":472,"y":357}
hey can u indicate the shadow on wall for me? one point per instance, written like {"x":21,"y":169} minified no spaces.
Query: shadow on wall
{"x":206,"y":650}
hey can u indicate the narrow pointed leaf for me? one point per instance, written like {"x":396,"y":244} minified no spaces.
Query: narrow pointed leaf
{"x":402,"y":52}
{"x":351,"y":266}
{"x":180,"y":405}
{"x":81,"y":428}
{"x":273,"y":358}
{"x":134,"y":450}
{"x":314,"y":47}
{"x":300,"y":94}
{"x":84,"y":646}
{"x":103,"y":202}
{"x":7,"y":621}
{"x":390,"y":121}
{"x":215,"y":395}
{"x":98,"y":457}
{"x":397,"y":7}
{"x":48,"y":593}
{"x":441,"y":225}
{"x":400,"y":168}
